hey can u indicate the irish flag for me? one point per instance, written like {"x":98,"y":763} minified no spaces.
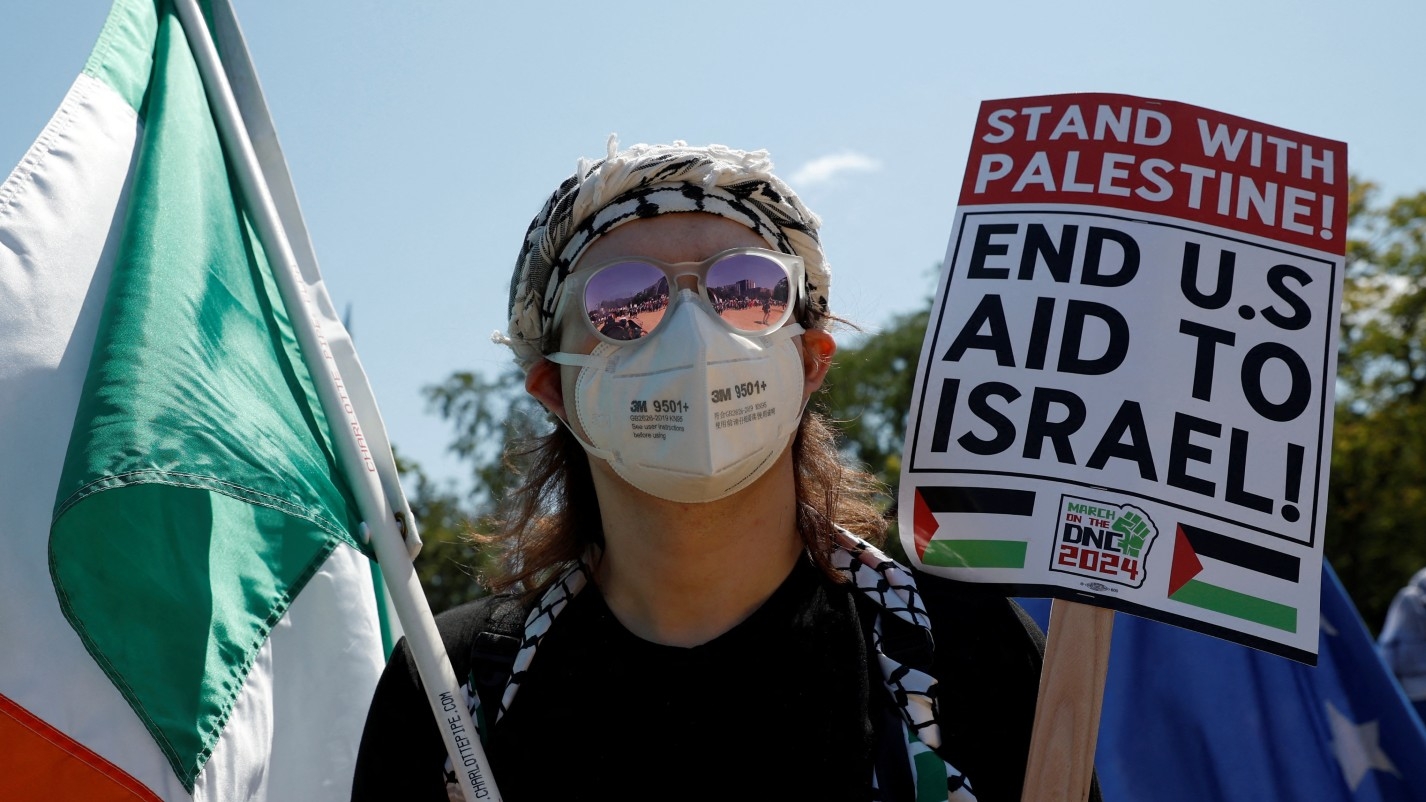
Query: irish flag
{"x":184,"y":609}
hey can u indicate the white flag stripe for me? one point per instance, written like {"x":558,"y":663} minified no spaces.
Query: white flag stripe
{"x":975,"y":526}
{"x":76,"y":170}
{"x":306,"y":695}
{"x":1245,"y":580}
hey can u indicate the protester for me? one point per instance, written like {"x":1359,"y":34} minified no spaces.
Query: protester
{"x":690,"y":602}
{"x":1403,"y":640}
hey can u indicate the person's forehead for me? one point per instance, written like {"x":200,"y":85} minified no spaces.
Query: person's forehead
{"x":680,"y":237}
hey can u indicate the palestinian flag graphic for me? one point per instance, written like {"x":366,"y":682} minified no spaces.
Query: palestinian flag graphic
{"x":1214,"y":572}
{"x":960,"y":549}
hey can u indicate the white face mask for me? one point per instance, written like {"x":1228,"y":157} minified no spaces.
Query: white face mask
{"x":694,"y":412}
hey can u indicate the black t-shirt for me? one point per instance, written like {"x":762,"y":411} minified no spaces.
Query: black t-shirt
{"x":783,"y":706}
{"x":774,"y":708}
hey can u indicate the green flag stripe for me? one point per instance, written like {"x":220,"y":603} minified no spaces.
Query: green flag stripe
{"x":383,"y":617}
{"x":1239,"y":605}
{"x":200,"y":491}
{"x":930,"y":772}
{"x":976,"y":553}
{"x":123,"y":55}
{"x":176,"y":616}
{"x":196,"y":371}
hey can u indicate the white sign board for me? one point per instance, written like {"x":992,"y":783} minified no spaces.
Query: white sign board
{"x":1125,"y":393}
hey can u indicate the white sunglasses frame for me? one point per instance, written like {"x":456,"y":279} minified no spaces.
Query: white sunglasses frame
{"x":791,"y":263}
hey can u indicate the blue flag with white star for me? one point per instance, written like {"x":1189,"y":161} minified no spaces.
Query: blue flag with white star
{"x":1190,"y":717}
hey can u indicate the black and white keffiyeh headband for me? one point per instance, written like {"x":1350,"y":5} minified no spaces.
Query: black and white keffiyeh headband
{"x":644,"y":181}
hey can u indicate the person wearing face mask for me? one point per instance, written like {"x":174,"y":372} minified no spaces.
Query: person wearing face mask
{"x":690,"y":602}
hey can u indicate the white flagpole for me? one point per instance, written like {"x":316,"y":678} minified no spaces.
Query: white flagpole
{"x":427,"y":650}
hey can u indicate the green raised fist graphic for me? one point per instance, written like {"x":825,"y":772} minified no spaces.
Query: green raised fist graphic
{"x":1135,"y":531}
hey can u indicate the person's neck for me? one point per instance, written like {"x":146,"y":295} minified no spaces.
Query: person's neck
{"x":683,"y":574}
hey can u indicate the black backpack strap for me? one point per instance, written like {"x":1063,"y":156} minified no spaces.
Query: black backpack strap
{"x":493,"y":649}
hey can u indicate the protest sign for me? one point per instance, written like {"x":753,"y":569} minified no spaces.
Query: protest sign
{"x":1124,"y":397}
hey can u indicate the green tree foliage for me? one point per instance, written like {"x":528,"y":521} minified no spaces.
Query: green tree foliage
{"x":486,"y":414}
{"x":447,"y":565}
{"x":1376,"y":515}
{"x":868,"y":395}
{"x":868,"y":392}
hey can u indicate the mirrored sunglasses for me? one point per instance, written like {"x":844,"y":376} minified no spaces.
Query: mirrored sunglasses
{"x":753,"y":291}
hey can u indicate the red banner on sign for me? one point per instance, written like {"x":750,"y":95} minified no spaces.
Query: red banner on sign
{"x":1160,"y":157}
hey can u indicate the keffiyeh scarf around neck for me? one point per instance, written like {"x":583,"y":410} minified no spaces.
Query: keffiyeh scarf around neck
{"x":877,"y":577}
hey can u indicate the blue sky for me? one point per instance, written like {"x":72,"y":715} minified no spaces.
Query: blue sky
{"x":423,"y":135}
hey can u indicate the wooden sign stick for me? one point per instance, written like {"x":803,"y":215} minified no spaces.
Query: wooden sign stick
{"x":1067,"y":711}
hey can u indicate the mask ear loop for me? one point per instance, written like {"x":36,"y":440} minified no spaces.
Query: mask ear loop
{"x":585,"y":361}
{"x":600,"y":361}
{"x":589,"y":448}
{"x":581,"y":360}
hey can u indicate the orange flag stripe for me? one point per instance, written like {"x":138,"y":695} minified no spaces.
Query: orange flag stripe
{"x":40,"y":762}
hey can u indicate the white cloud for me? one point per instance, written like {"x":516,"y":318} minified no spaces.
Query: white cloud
{"x":823,"y":170}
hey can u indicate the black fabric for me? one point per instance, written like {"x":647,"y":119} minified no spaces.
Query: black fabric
{"x":987,"y":667}
{"x":493,"y":650}
{"x":987,"y":659}
{"x":401,"y":754}
{"x":893,"y":772}
{"x":603,"y":714}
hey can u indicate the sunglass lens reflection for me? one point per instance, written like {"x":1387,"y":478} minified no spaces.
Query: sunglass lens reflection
{"x":626,"y":300}
{"x":749,"y":292}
